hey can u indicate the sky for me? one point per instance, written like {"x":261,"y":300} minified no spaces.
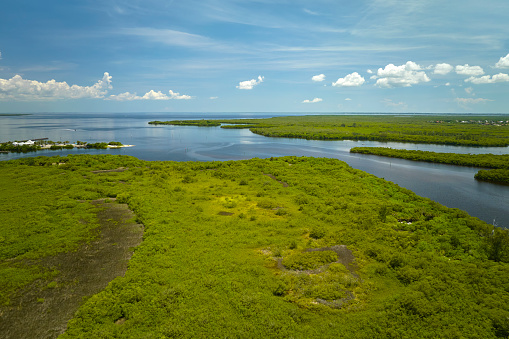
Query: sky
{"x":422,"y":56}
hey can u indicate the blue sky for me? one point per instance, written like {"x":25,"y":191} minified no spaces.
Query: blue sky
{"x":254,"y":56}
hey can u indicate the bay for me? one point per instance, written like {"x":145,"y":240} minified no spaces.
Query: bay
{"x":452,"y":186}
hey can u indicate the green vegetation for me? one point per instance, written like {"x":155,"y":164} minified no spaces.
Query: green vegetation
{"x":499,"y":176}
{"x":309,"y":260}
{"x":115,"y":143}
{"x":201,"y":123}
{"x":10,"y":147}
{"x":500,"y":162}
{"x":442,"y":130}
{"x":220,"y":259}
{"x":473,"y":160}
{"x":97,"y":145}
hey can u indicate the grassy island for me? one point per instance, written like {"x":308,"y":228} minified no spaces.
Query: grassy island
{"x":441,"y":130}
{"x":263,"y":248}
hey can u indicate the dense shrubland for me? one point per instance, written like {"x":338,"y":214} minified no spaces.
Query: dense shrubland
{"x":230,"y":251}
{"x":500,"y":176}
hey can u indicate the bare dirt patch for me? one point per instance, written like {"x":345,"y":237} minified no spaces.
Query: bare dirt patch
{"x":43,"y":309}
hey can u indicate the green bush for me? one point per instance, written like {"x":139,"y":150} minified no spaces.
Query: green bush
{"x":309,"y":260}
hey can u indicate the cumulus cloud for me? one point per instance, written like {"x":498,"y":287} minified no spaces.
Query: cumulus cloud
{"x":348,"y":99}
{"x":151,"y":95}
{"x":178,"y":96}
{"x":213,"y":98}
{"x":351,"y":80}
{"x":318,"y":78}
{"x":400,"y":76}
{"x":500,"y":77}
{"x":18,"y":88}
{"x":443,"y":69}
{"x":469,"y":70}
{"x":249,"y":84}
{"x":312,"y":101}
{"x":502,"y":63}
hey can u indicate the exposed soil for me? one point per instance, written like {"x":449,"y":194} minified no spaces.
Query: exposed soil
{"x":345,"y":256}
{"x":42,"y":310}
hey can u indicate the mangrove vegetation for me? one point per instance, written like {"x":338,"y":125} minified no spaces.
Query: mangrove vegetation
{"x":262,"y":248}
{"x":498,"y":162}
{"x":441,"y":130}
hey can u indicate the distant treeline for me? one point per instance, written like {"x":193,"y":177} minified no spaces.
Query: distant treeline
{"x":201,"y":123}
{"x":498,"y":162}
{"x":454,"y":130}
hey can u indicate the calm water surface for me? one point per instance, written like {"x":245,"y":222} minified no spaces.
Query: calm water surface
{"x":452,"y":186}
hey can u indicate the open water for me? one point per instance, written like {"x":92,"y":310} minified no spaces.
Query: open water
{"x":452,"y":186}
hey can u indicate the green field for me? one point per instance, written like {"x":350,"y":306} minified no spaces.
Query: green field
{"x":262,"y":248}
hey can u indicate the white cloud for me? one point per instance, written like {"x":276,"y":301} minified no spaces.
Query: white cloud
{"x":175,"y":95}
{"x":351,"y":80}
{"x":469,"y":70}
{"x":369,"y":71}
{"x":151,"y":95}
{"x":124,"y":97}
{"x":503,"y":62}
{"x":400,"y":76}
{"x":471,"y":100}
{"x":448,"y":84}
{"x":443,"y":69}
{"x":213,"y":98}
{"x":469,"y":90}
{"x":18,"y":88}
{"x":348,"y":99}
{"x":500,"y":77}
{"x":249,"y":84}
{"x":312,"y":101}
{"x":318,"y":78}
